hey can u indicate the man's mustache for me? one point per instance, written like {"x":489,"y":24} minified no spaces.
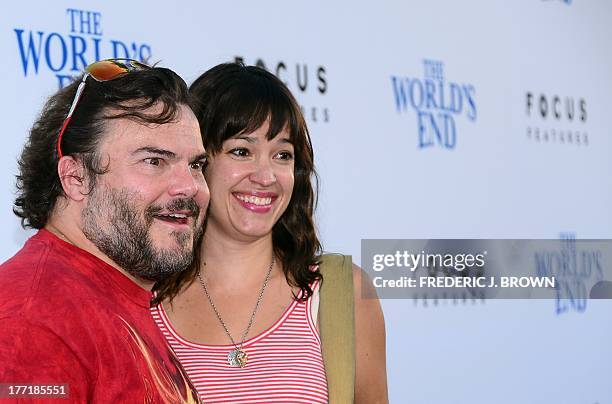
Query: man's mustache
{"x":176,"y":205}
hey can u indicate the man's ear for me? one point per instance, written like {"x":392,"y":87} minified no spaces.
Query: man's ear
{"x":72,"y":177}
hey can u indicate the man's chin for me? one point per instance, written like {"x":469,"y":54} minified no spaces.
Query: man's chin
{"x":165,"y":264}
{"x":174,"y":241}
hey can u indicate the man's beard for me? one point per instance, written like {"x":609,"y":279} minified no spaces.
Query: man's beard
{"x":114,"y":225}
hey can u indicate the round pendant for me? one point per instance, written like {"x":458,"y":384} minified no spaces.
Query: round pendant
{"x":237,"y":357}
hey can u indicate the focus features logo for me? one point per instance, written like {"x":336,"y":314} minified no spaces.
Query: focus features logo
{"x":308,"y":83}
{"x":556,"y":119}
{"x":66,"y":54}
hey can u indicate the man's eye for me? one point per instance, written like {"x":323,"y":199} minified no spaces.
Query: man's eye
{"x":240,"y":152}
{"x":198,"y":165}
{"x":154,"y":161}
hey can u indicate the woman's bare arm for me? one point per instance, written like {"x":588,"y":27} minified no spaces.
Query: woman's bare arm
{"x":370,"y":351}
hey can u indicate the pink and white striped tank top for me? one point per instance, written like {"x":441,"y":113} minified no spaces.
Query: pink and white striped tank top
{"x":285,"y":362}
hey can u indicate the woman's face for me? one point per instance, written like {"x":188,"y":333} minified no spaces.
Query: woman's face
{"x":251,"y":182}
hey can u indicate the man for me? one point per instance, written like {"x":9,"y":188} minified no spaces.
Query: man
{"x":114,"y":183}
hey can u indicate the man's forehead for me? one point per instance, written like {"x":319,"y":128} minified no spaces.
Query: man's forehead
{"x":181,"y":136}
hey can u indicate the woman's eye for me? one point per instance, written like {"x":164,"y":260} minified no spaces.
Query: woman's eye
{"x":240,"y":152}
{"x":285,"y":155}
{"x":154,"y":161}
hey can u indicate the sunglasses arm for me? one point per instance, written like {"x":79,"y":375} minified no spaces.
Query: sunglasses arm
{"x":77,"y":97}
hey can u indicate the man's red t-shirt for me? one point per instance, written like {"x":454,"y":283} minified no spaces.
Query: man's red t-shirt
{"x":69,"y":318}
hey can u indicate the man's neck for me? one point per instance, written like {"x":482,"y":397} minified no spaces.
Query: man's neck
{"x":72,"y":234}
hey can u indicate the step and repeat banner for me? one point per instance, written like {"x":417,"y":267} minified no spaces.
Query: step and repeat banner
{"x":430,"y":119}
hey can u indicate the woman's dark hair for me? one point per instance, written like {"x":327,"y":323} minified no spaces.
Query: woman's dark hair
{"x":130,"y":96}
{"x":230,"y":99}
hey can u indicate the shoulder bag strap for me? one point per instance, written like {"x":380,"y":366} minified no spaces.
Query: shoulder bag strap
{"x":337,"y":323}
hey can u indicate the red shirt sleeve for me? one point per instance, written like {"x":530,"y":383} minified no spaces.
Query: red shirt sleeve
{"x":33,"y":354}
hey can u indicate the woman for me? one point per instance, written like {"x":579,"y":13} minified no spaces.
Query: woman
{"x":244,"y":320}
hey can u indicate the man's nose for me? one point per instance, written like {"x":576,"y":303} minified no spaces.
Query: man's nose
{"x":185,"y":183}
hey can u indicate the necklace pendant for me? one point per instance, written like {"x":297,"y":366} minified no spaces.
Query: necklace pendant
{"x":237,"y":358}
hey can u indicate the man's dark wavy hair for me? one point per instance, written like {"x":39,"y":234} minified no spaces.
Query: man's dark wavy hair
{"x":230,"y":99}
{"x":130,"y":96}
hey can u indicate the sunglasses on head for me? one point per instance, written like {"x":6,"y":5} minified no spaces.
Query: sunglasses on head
{"x":103,"y":70}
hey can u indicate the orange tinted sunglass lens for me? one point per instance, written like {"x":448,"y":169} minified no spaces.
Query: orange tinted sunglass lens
{"x":106,"y":70}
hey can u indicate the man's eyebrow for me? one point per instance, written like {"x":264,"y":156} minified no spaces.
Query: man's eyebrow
{"x":199,"y":157}
{"x":154,"y":150}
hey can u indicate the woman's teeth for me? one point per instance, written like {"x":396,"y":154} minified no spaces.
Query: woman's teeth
{"x":255,"y":200}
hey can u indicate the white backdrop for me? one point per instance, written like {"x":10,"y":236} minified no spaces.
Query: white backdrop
{"x":498,"y":65}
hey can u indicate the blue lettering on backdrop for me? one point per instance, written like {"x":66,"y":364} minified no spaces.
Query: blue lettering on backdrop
{"x":32,"y":51}
{"x":436,"y":103}
{"x":568,"y":2}
{"x":66,"y":55}
{"x":572,"y":269}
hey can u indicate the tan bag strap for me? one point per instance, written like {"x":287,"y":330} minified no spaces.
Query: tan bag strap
{"x":337,"y":323}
